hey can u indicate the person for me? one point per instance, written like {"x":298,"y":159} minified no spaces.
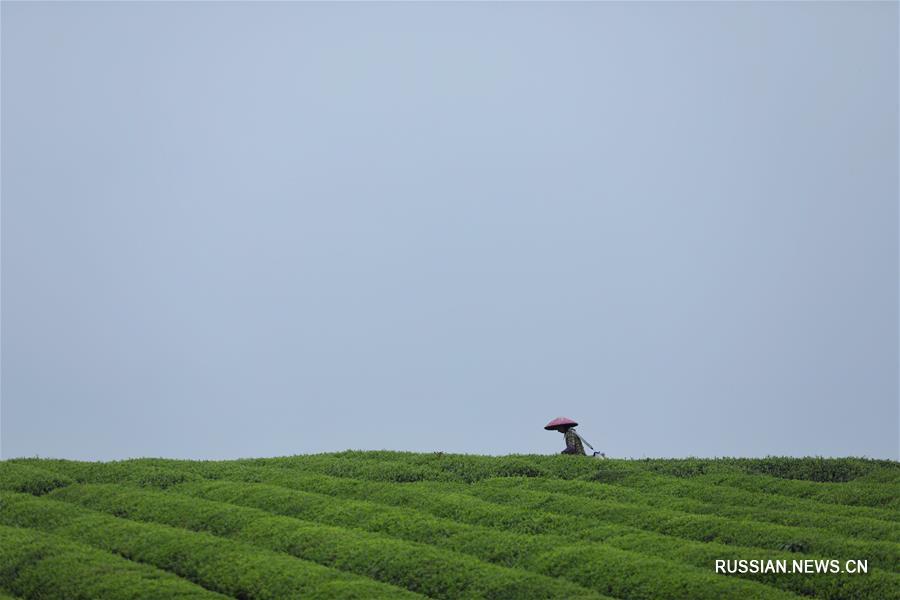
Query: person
{"x":573,"y":442}
{"x":566,"y":426}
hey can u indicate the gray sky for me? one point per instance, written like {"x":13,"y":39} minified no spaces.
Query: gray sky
{"x":245,"y":229}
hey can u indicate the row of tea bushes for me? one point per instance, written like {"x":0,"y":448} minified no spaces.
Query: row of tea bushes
{"x":706,"y":528}
{"x":697,"y":527}
{"x":733,"y":490}
{"x":748,"y":474}
{"x":510,"y":517}
{"x":689,"y":526}
{"x":226,"y":566}
{"x":28,"y":479}
{"x":418,"y":567}
{"x":408,"y":564}
{"x":144,"y":473}
{"x":470,"y":469}
{"x":492,"y":545}
{"x":34,"y":564}
{"x":719,"y":493}
{"x":524,"y":515}
{"x":852,"y":493}
{"x":525,"y":551}
{"x":603,"y":524}
{"x":854,"y":527}
{"x":815,"y":468}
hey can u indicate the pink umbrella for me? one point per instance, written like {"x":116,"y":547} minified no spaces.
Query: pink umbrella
{"x":560,"y":422}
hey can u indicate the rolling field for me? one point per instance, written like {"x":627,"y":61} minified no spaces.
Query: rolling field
{"x":402,"y":525}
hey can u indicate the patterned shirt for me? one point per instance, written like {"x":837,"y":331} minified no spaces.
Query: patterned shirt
{"x":573,"y":443}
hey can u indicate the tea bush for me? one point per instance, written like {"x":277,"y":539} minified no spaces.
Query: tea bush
{"x":513,"y":549}
{"x":120,"y":472}
{"x":226,"y":566}
{"x":817,"y":517}
{"x":814,"y":468}
{"x":417,"y":567}
{"x":397,"y":524}
{"x":30,"y":480}
{"x":711,"y":527}
{"x":447,"y":501}
{"x":851,"y":493}
{"x":699,"y":527}
{"x":450,"y":502}
{"x":730,"y":495}
{"x":38,"y":565}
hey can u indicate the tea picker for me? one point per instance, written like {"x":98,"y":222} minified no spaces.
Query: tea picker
{"x":574,"y":442}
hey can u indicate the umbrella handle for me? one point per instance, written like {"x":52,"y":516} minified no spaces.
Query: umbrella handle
{"x":584,"y":440}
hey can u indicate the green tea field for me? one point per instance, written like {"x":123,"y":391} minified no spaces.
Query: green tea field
{"x":402,"y":525}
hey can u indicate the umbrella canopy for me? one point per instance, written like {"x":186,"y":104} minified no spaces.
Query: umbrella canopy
{"x":560,"y":422}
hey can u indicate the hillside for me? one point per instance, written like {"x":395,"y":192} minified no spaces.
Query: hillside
{"x":401,"y":525}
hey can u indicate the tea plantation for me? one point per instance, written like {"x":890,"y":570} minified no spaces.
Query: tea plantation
{"x":402,"y":525}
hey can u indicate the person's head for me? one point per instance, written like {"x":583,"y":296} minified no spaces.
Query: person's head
{"x":565,"y":428}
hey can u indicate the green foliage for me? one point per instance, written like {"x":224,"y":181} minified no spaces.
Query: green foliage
{"x":704,"y":528}
{"x":129,"y":472}
{"x":492,"y":545}
{"x":388,"y":466}
{"x":725,"y":495}
{"x":463,"y":526}
{"x":810,"y":468}
{"x":628,"y":574}
{"x":729,"y":503}
{"x":502,"y":547}
{"x":446,"y":502}
{"x":38,"y":565}
{"x":877,"y":584}
{"x":417,"y":567}
{"x":816,"y":468}
{"x":464,"y":508}
{"x":875,"y":495}
{"x":226,"y":566}
{"x":30,"y":480}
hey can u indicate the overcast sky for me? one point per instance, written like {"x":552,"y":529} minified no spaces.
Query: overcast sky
{"x":247,"y":229}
